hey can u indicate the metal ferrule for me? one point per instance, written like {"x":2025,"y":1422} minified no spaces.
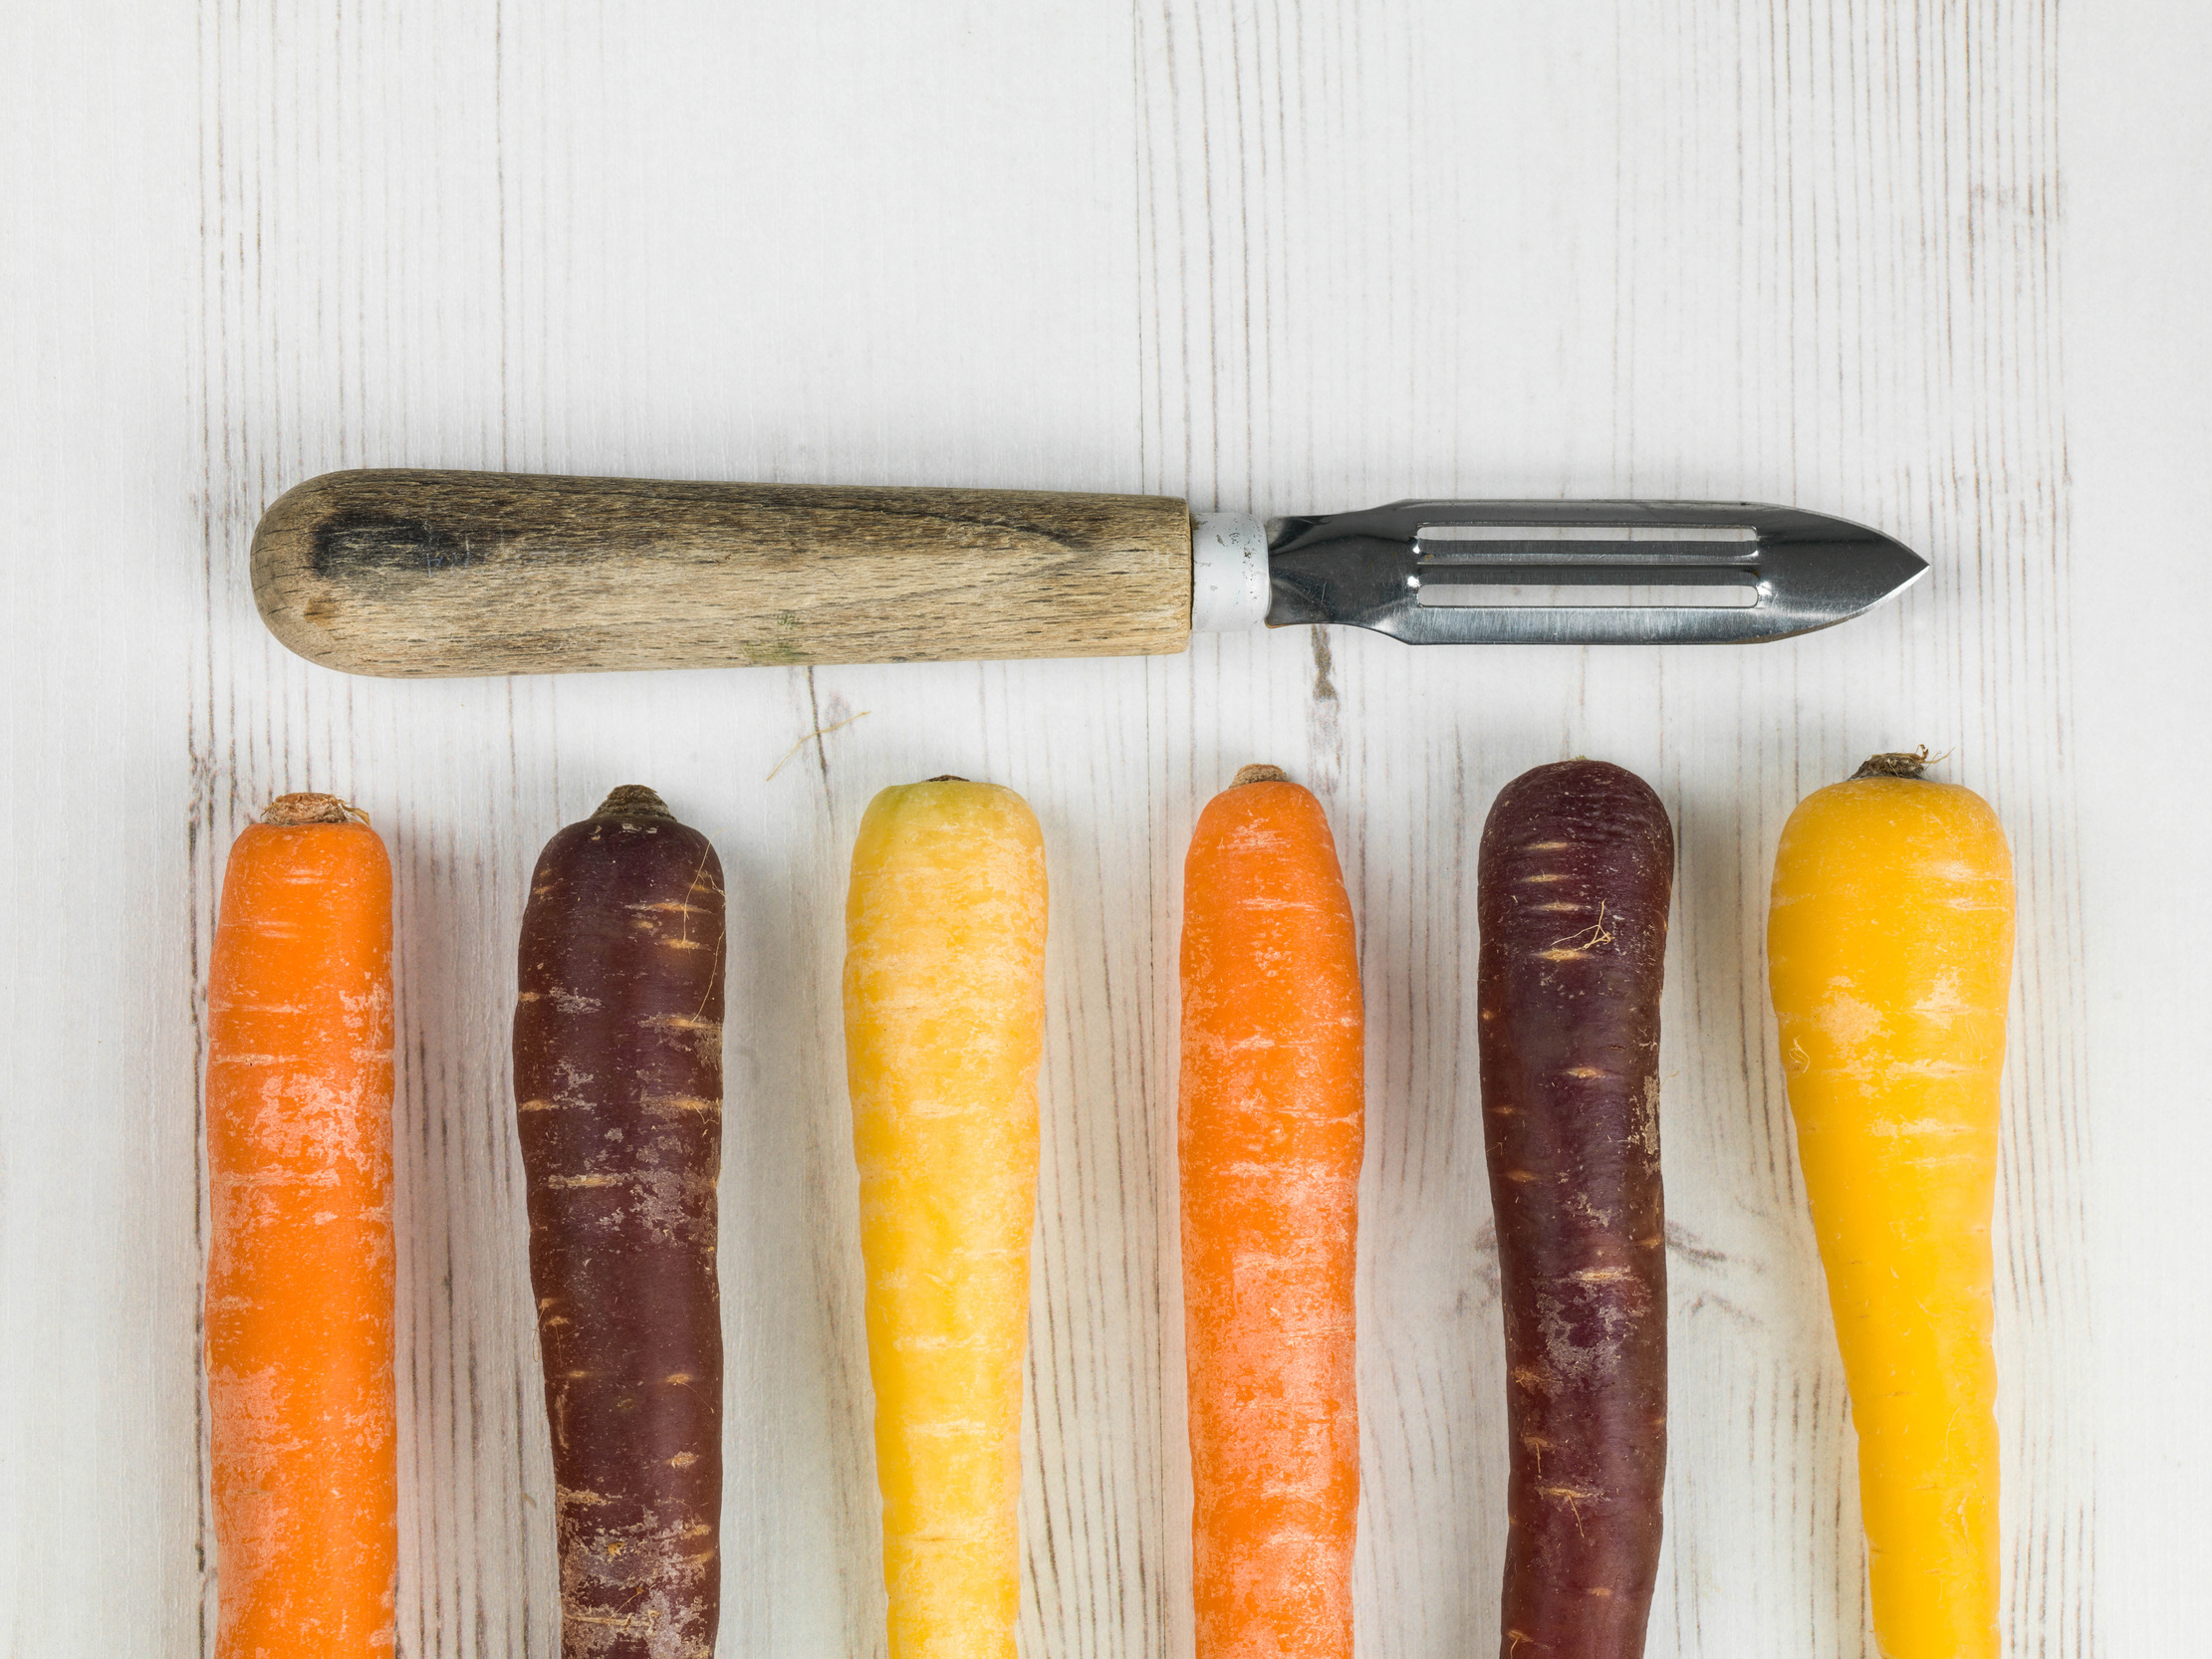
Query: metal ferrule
{"x":1228,"y":573}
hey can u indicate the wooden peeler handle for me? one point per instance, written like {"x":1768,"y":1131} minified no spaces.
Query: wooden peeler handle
{"x":424,"y":573}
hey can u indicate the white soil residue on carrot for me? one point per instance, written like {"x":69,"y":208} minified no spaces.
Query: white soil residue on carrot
{"x":1644,"y":1130}
{"x":1844,"y":1021}
{"x":254,"y":1449}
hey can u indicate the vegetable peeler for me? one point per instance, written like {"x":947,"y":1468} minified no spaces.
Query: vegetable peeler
{"x":422,"y":573}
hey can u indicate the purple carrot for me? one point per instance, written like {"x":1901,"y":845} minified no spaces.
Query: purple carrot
{"x":1572,"y":889}
{"x":619,"y":1096}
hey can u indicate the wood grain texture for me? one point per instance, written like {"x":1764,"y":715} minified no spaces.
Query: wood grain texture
{"x":1261,"y":255}
{"x":2139,"y":367}
{"x":424,"y":572}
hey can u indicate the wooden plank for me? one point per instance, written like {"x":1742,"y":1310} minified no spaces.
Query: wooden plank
{"x":1269,"y":257}
{"x":100,"y":1472}
{"x":2139,"y":428}
{"x":1800,"y":252}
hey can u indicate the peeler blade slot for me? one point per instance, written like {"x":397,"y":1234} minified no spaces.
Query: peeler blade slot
{"x":1607,"y":530}
{"x":1588,"y":556}
{"x":1532,"y":551}
{"x":1573,"y":596}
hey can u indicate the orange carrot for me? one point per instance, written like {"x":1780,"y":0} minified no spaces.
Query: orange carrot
{"x":1273,"y":1104}
{"x":299,"y":1271}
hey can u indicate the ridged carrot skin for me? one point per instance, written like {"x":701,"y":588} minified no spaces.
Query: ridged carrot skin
{"x":1889,"y":955}
{"x":1572,"y":882}
{"x":618,"y":1102}
{"x":945,"y":1008}
{"x":1271,"y":1138}
{"x":299,"y":1315}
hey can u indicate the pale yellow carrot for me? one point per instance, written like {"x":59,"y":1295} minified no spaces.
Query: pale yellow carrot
{"x":944,"y":1021}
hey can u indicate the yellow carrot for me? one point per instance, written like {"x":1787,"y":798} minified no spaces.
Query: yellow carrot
{"x":1889,"y":952}
{"x":944,"y":1009}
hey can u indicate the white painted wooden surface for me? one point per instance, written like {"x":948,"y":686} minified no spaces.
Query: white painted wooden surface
{"x":1933,"y":266}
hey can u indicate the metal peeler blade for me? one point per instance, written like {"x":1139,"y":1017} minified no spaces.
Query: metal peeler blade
{"x":1581,"y":573}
